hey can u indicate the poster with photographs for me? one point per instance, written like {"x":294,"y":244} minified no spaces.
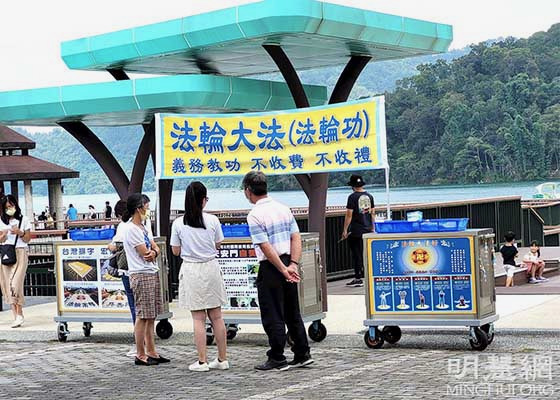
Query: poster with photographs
{"x":83,"y":280}
{"x":240,"y":267}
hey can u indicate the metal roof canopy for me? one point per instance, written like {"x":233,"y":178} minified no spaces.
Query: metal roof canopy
{"x":135,"y":101}
{"x":314,"y":34}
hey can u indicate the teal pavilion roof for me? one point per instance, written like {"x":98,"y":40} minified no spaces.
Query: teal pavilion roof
{"x":313,"y":34}
{"x":132,"y":102}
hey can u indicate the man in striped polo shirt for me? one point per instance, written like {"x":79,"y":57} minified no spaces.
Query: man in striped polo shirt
{"x":277,"y":241}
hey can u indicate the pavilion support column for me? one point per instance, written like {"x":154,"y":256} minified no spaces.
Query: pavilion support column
{"x":14,"y":189}
{"x":165,"y":187}
{"x":101,"y":154}
{"x":28,"y":190}
{"x":316,"y":185}
{"x":55,"y":202}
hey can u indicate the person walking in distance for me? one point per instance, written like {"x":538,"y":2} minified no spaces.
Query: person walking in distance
{"x":360,"y":214}
{"x":277,"y":242}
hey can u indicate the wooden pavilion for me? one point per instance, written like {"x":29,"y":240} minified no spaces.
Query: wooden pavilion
{"x":17,"y":165}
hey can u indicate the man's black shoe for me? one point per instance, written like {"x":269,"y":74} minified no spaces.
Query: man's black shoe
{"x":355,"y":283}
{"x":273,"y":364}
{"x":298,"y":362}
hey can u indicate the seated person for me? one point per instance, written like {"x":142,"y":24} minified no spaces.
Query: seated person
{"x":535,"y":265}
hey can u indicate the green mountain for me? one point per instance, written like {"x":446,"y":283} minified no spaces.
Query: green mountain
{"x":487,"y":113}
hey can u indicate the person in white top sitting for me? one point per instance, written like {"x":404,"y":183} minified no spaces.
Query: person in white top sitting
{"x":15,"y":229}
{"x":534,"y":263}
{"x":195,"y":237}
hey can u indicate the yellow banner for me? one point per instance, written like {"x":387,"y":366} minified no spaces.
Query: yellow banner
{"x":342,"y":137}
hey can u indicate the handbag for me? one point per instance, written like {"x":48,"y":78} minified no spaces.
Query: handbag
{"x":118,"y":259}
{"x":8,"y":252}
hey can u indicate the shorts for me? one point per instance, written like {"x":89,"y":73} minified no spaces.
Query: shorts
{"x":509,"y":270}
{"x":147,"y":295}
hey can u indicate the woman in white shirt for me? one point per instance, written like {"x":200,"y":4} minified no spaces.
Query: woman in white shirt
{"x":15,"y":228}
{"x":141,"y":253}
{"x":196,"y":237}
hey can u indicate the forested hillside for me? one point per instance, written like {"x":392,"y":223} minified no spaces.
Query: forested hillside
{"x":486,"y":114}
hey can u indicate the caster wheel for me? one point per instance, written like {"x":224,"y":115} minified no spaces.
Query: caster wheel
{"x":87,"y":329}
{"x":164,"y":329}
{"x":374,"y":342}
{"x":209,"y":336}
{"x":489,"y":330}
{"x":231,"y":334}
{"x":392,"y":334}
{"x":62,"y":332}
{"x":481,"y":340}
{"x":317,"y":332}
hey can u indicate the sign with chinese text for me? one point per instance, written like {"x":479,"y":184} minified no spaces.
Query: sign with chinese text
{"x":240,"y":266}
{"x":342,"y":137}
{"x":83,"y":284}
{"x":433,"y":275}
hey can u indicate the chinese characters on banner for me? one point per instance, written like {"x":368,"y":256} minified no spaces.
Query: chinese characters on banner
{"x":346,"y":136}
{"x":432,"y":275}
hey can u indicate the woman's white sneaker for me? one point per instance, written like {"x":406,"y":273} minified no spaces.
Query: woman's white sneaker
{"x":217,"y":364}
{"x":18,"y":322}
{"x":198,"y":367}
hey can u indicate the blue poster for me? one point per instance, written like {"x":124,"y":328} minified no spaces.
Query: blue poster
{"x":422,"y":293}
{"x":441,"y":289}
{"x":427,"y":274}
{"x":462,"y":288}
{"x":402,"y":293}
{"x":383,"y":294}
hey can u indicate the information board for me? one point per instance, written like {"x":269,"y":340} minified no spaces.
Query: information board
{"x":428,"y":275}
{"x":83,"y":282}
{"x":239,"y":265}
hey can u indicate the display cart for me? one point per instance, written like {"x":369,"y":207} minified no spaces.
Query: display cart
{"x":240,"y":267}
{"x":429,"y":279}
{"x":86,"y":293}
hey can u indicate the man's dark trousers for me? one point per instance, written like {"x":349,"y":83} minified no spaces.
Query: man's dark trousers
{"x":278,"y":302}
{"x":356,"y":245}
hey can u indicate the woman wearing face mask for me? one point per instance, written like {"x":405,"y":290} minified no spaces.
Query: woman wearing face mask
{"x":14,"y":229}
{"x":141,"y":254}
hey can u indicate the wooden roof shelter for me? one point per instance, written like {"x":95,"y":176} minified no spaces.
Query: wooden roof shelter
{"x":17,"y":165}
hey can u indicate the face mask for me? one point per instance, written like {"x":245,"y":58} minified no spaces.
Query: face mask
{"x":145,"y":216}
{"x":11,"y":212}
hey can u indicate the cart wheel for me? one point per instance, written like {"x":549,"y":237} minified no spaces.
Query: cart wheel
{"x":209,"y":336}
{"x":374,"y":342}
{"x":481,"y":339}
{"x":392,"y":334}
{"x":164,"y":329}
{"x":62,"y":331}
{"x":87,"y":329}
{"x":317,"y":331}
{"x":489,"y":330}
{"x":231,"y":331}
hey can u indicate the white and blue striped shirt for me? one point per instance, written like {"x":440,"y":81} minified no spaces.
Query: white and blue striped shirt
{"x":272,"y":222}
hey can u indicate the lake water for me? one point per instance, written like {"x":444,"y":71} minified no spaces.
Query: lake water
{"x":231,"y":199}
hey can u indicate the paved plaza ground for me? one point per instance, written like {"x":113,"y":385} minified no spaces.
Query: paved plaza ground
{"x":522,"y":362}
{"x":424,"y":365}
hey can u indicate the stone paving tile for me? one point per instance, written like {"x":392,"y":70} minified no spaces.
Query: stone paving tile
{"x":419,"y":367}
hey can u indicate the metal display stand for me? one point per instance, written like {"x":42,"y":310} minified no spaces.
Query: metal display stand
{"x":430,"y":279}
{"x":85,"y":293}
{"x":240,"y":267}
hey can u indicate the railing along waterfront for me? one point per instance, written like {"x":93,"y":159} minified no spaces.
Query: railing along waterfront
{"x":500,"y":213}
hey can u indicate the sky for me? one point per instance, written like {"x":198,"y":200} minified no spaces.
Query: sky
{"x":31,"y":30}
